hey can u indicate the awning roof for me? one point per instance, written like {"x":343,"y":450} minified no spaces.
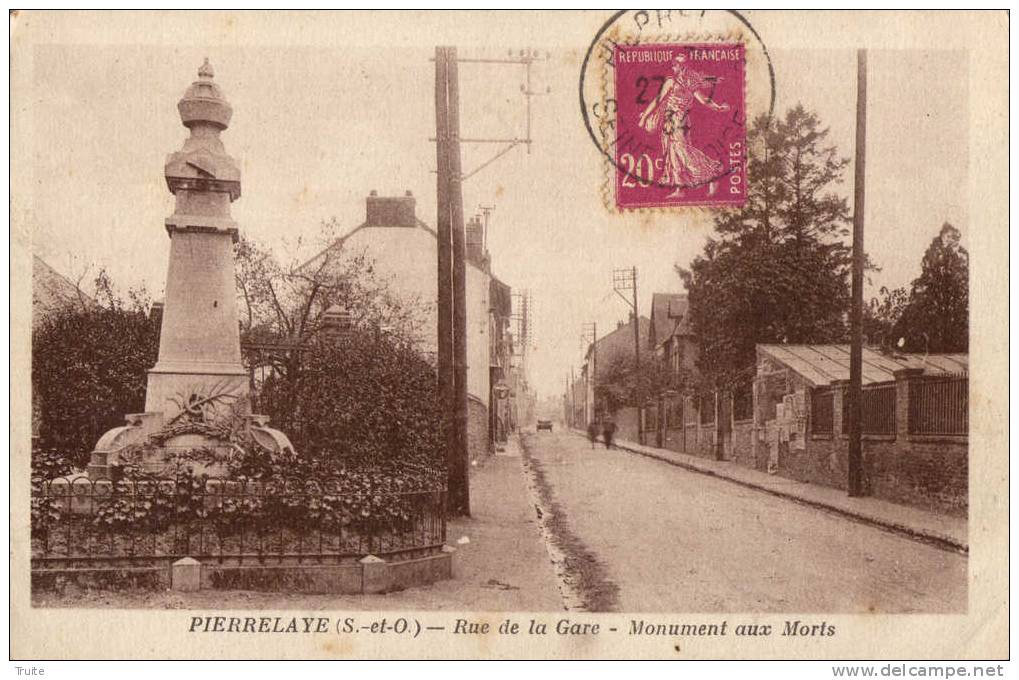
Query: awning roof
{"x":825,"y":364}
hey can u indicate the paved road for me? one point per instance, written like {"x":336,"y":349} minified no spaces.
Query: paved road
{"x":676,"y":540}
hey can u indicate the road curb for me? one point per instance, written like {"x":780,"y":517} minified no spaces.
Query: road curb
{"x":926,"y":536}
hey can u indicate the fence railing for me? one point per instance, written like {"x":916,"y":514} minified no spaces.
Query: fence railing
{"x":706,"y":408}
{"x":293,"y":520}
{"x":651,"y":418}
{"x":939,"y":406}
{"x":877,"y":410}
{"x":674,"y":412}
{"x":743,"y":403}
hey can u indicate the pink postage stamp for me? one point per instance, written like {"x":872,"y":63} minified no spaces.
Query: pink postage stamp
{"x":681,"y":123}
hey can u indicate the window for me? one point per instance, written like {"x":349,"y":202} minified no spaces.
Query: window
{"x":878,"y":410}
{"x":939,"y":406}
{"x":822,"y":411}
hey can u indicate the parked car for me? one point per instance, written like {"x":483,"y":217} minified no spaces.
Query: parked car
{"x":544,"y":425}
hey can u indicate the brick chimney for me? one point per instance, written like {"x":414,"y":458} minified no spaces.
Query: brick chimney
{"x":156,"y":313}
{"x":390,"y":211}
{"x":475,"y":235}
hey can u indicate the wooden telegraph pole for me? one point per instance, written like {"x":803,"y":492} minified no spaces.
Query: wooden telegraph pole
{"x":855,"y":481}
{"x":594,"y":363}
{"x":626,"y":280}
{"x":451,"y":290}
{"x":461,"y":503}
{"x":636,"y":324}
{"x":591,"y":343}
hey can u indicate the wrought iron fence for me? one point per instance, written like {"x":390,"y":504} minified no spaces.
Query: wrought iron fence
{"x":293,"y":520}
{"x":877,"y":410}
{"x":822,"y":411}
{"x":706,"y":408}
{"x":674,"y":412}
{"x":743,"y":402}
{"x":939,"y":407}
{"x":651,"y":418}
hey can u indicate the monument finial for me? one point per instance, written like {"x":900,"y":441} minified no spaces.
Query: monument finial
{"x":205,"y":70}
{"x":203,"y":101}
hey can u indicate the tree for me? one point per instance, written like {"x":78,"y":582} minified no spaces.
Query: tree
{"x":620,"y":383}
{"x":777,"y":270}
{"x":284,"y":301}
{"x":936,"y":318}
{"x":89,"y":363}
{"x":881,"y":317}
{"x":360,"y":400}
{"x":361,"y":395}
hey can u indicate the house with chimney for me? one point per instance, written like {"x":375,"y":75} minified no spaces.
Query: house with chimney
{"x":403,"y":250}
{"x":672,"y":341}
{"x":600,"y":362}
{"x":670,"y":337}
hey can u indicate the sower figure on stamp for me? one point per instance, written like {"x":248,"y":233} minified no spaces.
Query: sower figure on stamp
{"x":685,"y":164}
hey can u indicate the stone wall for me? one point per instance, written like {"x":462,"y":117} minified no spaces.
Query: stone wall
{"x":931,"y":473}
{"x":477,"y":428}
{"x":691,"y":437}
{"x":923,"y":471}
{"x":743,"y":450}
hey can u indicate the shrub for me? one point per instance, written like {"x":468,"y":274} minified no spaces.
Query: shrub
{"x":89,"y":364}
{"x":363,"y":401}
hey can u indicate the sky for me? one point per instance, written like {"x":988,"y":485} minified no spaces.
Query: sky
{"x":316,"y":128}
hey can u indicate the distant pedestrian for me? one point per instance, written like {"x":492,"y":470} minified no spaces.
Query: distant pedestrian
{"x":592,"y":432}
{"x":608,"y":431}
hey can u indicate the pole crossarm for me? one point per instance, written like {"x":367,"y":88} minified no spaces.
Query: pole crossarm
{"x":624,"y":298}
{"x":494,"y":158}
{"x":526,"y":59}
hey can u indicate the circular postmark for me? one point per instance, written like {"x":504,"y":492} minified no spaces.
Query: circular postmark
{"x":666,"y":96}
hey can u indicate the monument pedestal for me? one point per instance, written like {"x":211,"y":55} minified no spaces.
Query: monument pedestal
{"x":154,"y":446}
{"x":197,"y":396}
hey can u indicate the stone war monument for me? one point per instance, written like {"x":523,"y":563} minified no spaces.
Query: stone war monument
{"x":197,"y":395}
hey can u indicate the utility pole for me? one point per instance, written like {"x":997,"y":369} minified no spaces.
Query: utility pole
{"x":451,"y":301}
{"x":590,"y":336}
{"x":452,"y":284}
{"x":573,"y":398}
{"x":521,"y":303}
{"x":566,"y":403}
{"x":636,"y":323}
{"x":444,"y":238}
{"x":594,"y":365}
{"x":626,"y":280}
{"x":855,"y":481}
{"x":486,"y":211}
{"x":461,"y":504}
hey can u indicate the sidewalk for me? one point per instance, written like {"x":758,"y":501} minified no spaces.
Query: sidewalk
{"x":505,"y":566}
{"x":942,"y":530}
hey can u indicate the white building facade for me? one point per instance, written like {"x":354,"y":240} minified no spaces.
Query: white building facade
{"x":404,"y":252}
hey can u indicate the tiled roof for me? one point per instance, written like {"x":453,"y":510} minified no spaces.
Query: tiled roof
{"x":669,"y":316}
{"x":619,"y":343}
{"x":339,"y":242}
{"x":51,"y":291}
{"x":825,"y":364}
